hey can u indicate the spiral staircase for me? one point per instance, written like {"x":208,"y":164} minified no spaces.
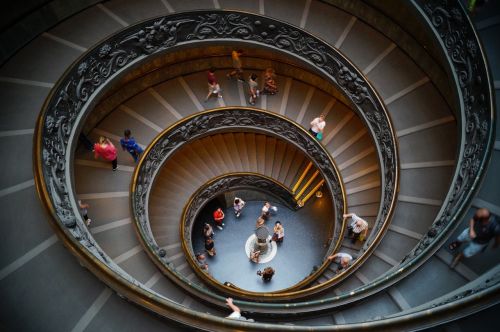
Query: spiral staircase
{"x":402,"y":280}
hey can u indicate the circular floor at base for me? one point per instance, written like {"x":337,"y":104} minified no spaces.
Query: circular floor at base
{"x":265,"y":257}
{"x":303,"y":247}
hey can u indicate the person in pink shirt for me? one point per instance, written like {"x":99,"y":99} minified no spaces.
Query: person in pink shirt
{"x":106,"y":150}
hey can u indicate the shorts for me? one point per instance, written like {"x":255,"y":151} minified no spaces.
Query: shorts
{"x":213,"y":89}
{"x":472,"y":247}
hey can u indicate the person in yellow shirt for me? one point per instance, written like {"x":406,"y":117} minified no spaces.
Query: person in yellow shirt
{"x":237,"y":67}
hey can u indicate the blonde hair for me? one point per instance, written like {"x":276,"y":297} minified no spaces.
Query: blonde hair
{"x":260,"y":221}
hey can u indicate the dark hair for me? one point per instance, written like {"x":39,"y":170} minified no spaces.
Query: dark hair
{"x":269,"y":270}
{"x":267,"y":274}
{"x":253,"y":77}
{"x":277,"y":222}
{"x":212,"y":69}
{"x":127,"y":133}
{"x":482,"y":215}
{"x":481,"y":219}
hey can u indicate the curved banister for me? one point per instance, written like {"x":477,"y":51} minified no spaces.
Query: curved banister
{"x":477,"y":112}
{"x":209,"y":191}
{"x":238,"y":119}
{"x":76,"y":92}
{"x":214,"y":121}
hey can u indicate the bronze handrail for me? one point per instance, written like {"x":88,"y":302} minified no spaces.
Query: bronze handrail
{"x":62,"y":112}
{"x":230,"y":119}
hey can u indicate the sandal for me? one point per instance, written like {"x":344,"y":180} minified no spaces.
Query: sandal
{"x":454,"y":245}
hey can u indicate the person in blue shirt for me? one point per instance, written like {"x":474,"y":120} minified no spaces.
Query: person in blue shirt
{"x":128,"y":143}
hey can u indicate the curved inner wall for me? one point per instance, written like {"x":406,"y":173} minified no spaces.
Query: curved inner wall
{"x":293,"y":259}
{"x":424,"y":122}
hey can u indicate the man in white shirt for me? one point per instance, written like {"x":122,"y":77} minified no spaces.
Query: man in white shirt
{"x":265,"y":210}
{"x":342,"y":259}
{"x":238,"y":205}
{"x":236,"y":314}
{"x":358,"y":227}
{"x":317,"y":126}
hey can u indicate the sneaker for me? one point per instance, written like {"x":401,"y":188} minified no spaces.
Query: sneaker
{"x":88,"y":221}
{"x":220,"y":227}
{"x":114,"y":169}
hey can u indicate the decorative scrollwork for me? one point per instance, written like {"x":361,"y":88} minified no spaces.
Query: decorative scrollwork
{"x":73,"y":96}
{"x":223,"y":120}
{"x":68,"y":105}
{"x":227,"y":183}
{"x":491,"y":279}
{"x":457,"y":36}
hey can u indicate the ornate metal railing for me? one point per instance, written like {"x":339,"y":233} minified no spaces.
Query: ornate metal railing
{"x":227,"y":119}
{"x":76,"y":92}
{"x":216,"y":187}
{"x":452,"y":28}
{"x":225,"y":183}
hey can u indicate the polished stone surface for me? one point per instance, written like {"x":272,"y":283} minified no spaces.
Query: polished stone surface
{"x":303,"y":248}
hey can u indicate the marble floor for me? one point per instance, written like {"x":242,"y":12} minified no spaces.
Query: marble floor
{"x":306,"y":233}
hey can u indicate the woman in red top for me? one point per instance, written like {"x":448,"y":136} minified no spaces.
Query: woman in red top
{"x":106,"y":150}
{"x":213,"y":86}
{"x":218,"y":217}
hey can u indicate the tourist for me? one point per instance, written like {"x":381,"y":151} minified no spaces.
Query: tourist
{"x":218,"y":218}
{"x":482,"y":228}
{"x":238,"y":205}
{"x":84,"y":211}
{"x":236,"y":314}
{"x":128,"y":143}
{"x":210,"y":247}
{"x":358,"y":228}
{"x":342,"y":259}
{"x":105,"y":149}
{"x":270,"y":86}
{"x":279,"y":232}
{"x":255,"y":255}
{"x":265,"y":210}
{"x":317,"y":127}
{"x":254,"y":92}
{"x":213,"y":86}
{"x":267,"y":274}
{"x":201,"y":259}
{"x":237,"y":66}
{"x":208,"y":231}
{"x":260,"y":222}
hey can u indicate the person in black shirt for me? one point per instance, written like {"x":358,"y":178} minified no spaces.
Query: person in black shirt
{"x":210,"y":247}
{"x":482,"y":228}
